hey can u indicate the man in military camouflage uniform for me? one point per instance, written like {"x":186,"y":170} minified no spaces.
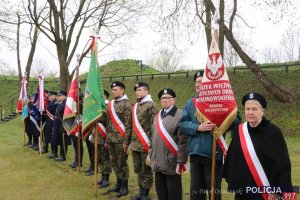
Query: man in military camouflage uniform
{"x":103,"y":152}
{"x":118,"y":136}
{"x":145,"y":112}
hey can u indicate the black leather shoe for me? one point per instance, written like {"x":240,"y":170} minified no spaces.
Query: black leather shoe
{"x":52,"y":155}
{"x":89,"y":173}
{"x":60,"y":159}
{"x":74,"y":165}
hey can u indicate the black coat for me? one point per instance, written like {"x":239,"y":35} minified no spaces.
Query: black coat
{"x":49,"y":122}
{"x":272,"y":152}
{"x":58,"y":132}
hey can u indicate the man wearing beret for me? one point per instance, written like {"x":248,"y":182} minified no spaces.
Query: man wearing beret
{"x":118,"y":129}
{"x":200,"y":148}
{"x":59,"y":136}
{"x":103,"y":152}
{"x":257,"y":155}
{"x":143,"y":114}
{"x":50,"y":111}
{"x":168,"y":148}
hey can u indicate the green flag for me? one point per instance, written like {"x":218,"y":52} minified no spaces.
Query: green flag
{"x":94,"y":104}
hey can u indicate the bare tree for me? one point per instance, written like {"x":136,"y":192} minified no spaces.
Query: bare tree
{"x":65,"y":21}
{"x":227,"y":20}
{"x":166,"y":60}
{"x":290,"y":42}
{"x":12,"y":17}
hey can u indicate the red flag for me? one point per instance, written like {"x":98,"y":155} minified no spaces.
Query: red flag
{"x":69,"y":121}
{"x":216,"y":101}
{"x":22,"y":96}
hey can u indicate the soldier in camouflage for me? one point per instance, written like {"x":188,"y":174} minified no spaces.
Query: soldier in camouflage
{"x":118,"y":128}
{"x":145,"y":112}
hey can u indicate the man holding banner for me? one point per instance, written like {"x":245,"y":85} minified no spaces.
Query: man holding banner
{"x":205,"y":118}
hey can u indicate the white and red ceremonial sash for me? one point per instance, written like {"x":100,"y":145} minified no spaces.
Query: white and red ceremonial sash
{"x":102,"y":130}
{"x":115,"y":119}
{"x":252,"y":160}
{"x":139,"y":130}
{"x":220,"y":140}
{"x":169,"y":142}
{"x":50,"y":115}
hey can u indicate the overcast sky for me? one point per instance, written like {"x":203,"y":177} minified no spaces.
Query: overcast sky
{"x":143,"y":45}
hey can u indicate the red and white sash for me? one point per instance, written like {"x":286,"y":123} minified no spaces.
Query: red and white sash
{"x":139,"y":130}
{"x":220,"y":140}
{"x":252,"y":160}
{"x":169,"y":142}
{"x":115,"y":119}
{"x":50,"y":115}
{"x":102,"y":130}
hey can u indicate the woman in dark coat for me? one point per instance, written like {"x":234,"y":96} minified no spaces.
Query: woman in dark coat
{"x":267,"y":165}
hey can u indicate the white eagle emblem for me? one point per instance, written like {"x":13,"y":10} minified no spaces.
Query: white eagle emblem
{"x":214,"y":64}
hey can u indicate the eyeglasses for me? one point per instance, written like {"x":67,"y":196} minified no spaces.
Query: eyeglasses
{"x":165,"y":98}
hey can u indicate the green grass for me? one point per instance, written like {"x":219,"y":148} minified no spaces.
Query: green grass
{"x":25,"y":176}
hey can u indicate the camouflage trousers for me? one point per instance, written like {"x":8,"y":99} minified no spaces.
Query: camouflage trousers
{"x":118,"y":160}
{"x":103,"y":159}
{"x":144,"y":172}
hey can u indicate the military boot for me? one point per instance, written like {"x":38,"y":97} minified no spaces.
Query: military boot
{"x":105,"y":181}
{"x":124,"y":188}
{"x":117,"y":187}
{"x":138,"y":196}
{"x":145,"y":194}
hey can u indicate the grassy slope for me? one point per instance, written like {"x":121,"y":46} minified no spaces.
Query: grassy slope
{"x":24,"y":176}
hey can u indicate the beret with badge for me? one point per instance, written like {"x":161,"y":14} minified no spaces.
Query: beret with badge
{"x":141,"y":84}
{"x":117,"y":84}
{"x":166,"y":91}
{"x":255,"y":96}
{"x":198,"y":74}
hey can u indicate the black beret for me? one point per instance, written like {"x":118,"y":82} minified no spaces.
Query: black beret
{"x":106,"y":93}
{"x":61,"y":93}
{"x":166,"y":91}
{"x":198,"y":74}
{"x":255,"y":96}
{"x":141,"y":84}
{"x":117,"y":83}
{"x":47,"y":91}
{"x":52,"y":93}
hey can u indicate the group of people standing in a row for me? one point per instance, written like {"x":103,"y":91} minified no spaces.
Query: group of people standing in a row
{"x":161,"y":141}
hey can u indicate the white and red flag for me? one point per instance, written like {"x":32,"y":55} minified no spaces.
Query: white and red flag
{"x":216,"y":101}
{"x":22,"y":96}
{"x":41,"y":93}
{"x":70,"y":112}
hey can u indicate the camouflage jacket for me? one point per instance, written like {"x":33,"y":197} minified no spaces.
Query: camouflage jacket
{"x":145,"y":113}
{"x":123,"y":110}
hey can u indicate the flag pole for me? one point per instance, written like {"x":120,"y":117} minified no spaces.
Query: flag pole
{"x":95,"y":160}
{"x":41,"y":134}
{"x":78,"y":115}
{"x":214,"y":145}
{"x":24,"y":126}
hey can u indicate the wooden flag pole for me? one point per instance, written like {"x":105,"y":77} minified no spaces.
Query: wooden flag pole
{"x":41,"y":135}
{"x":213,"y":169}
{"x":214,"y":145}
{"x":95,"y":160}
{"x":24,"y":125}
{"x":78,"y":115}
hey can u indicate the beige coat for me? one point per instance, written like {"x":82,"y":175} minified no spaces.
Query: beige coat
{"x":162,"y":159}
